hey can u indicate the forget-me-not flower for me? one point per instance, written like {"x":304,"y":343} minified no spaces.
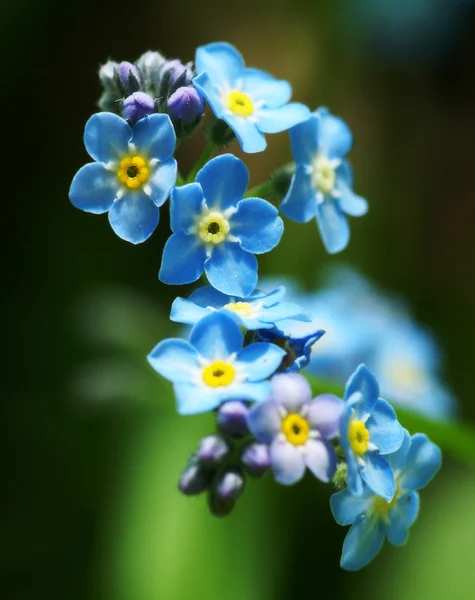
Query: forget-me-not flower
{"x":372,"y":519}
{"x":321,"y":186}
{"x":297,"y":429}
{"x":214,"y":367}
{"x":133,"y":175}
{"x":216,"y":230}
{"x":369,"y":430}
{"x":250,"y":101}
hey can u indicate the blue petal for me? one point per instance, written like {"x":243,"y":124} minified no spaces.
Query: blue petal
{"x":162,"y":181}
{"x":209,"y":91}
{"x":257,"y":225}
{"x":271,"y":298}
{"x":281,"y":311}
{"x":192,"y":399}
{"x":274,"y":120}
{"x":221,"y":61}
{"x":355,"y":482}
{"x":397,"y":459}
{"x":174,"y":359}
{"x":260,"y":85}
{"x":333,"y":226}
{"x":402,"y":516}
{"x":378,"y":476}
{"x":304,"y":141}
{"x":232,"y":270}
{"x":300,"y":203}
{"x":182,"y":259}
{"x":384,"y":429}
{"x":334,"y":136}
{"x":154,"y":135}
{"x":264,"y":421}
{"x":94,"y":188}
{"x":347,"y":509}
{"x":287,"y":463}
{"x":207,"y":296}
{"x":250,"y":138}
{"x":185,"y":311}
{"x":344,"y":174}
{"x":134,"y":217}
{"x":252,"y":391}
{"x":350,"y":203}
{"x":107,"y":137}
{"x":364,"y":382}
{"x":216,"y":336}
{"x":423,"y":461}
{"x":185,"y":206}
{"x":224,"y":181}
{"x":362,"y":543}
{"x":260,"y":360}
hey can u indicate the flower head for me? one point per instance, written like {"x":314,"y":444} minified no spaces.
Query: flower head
{"x":297,"y":429}
{"x":214,"y":367}
{"x":372,"y":519}
{"x":250,"y":101}
{"x":215,"y":230}
{"x":322,"y":183}
{"x":133,"y":176}
{"x":185,"y":104}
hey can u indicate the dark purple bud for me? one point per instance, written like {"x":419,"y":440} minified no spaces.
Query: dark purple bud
{"x":185,"y":104}
{"x":178,"y":72}
{"x":213,"y":451}
{"x":256,"y":459}
{"x":129,"y":77}
{"x":137,"y":106}
{"x":194,"y":480}
{"x":227,"y":487}
{"x":232,"y":418}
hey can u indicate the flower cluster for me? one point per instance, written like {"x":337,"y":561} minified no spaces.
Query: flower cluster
{"x":247,"y":348}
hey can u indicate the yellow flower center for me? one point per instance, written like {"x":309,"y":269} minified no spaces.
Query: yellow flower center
{"x":324,"y":176}
{"x":358,"y":437}
{"x":242,"y":308}
{"x":219,"y":374}
{"x":239,"y":103}
{"x":213,"y":228}
{"x":380,"y":508}
{"x":295,"y":429}
{"x":133,"y":172}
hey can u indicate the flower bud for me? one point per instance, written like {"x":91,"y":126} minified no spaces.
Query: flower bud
{"x":232,"y":418}
{"x":137,"y":105}
{"x":194,"y":479}
{"x":256,"y":459}
{"x":227,"y":487}
{"x":128,"y":77}
{"x":150,"y":65}
{"x":185,"y":104}
{"x":213,"y":451}
{"x":173,"y":75}
{"x":107,"y":75}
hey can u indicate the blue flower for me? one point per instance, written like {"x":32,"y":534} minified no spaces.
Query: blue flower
{"x":257,"y":311}
{"x":133,"y":176}
{"x":250,"y":101}
{"x":215,"y":230}
{"x":297,"y":429}
{"x":321,"y":186}
{"x":369,"y":429}
{"x":372,"y":519}
{"x":214,"y":367}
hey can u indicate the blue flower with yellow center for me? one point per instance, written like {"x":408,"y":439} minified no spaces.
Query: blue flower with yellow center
{"x":133,"y":175}
{"x":371,"y":517}
{"x":214,"y":367}
{"x":216,"y":230}
{"x":321,"y":186}
{"x":250,"y":101}
{"x":369,"y":429}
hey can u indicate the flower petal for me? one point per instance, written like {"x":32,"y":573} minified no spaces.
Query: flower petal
{"x":350,"y":203}
{"x":362,"y":543}
{"x":249,"y":136}
{"x":174,"y":359}
{"x":274,"y":120}
{"x":260,"y":360}
{"x":291,"y":391}
{"x":320,"y":458}
{"x":300,"y":203}
{"x":155,"y":136}
{"x":384,"y":429}
{"x":211,"y":93}
{"x":287,"y":463}
{"x":192,"y":399}
{"x":224,"y":181}
{"x":186,"y":203}
{"x":257,"y":225}
{"x":264,"y":421}
{"x":281,"y":311}
{"x":134,"y":217}
{"x":216,"y":336}
{"x":162,"y":181}
{"x":260,"y":85}
{"x":232,"y":270}
{"x":397,"y":459}
{"x":304,"y":140}
{"x":94,"y":188}
{"x":402,"y":516}
{"x":324,"y":414}
{"x":364,"y":382}
{"x":423,"y":461}
{"x":107,"y":136}
{"x":182,"y":259}
{"x":333,"y":226}
{"x":254,"y":391}
{"x":378,"y":476}
{"x":334,"y":136}
{"x":221,"y":61}
{"x":347,"y":509}
{"x":187,"y":312}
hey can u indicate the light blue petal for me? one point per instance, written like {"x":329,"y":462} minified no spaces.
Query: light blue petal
{"x":397,"y":459}
{"x":208,"y":90}
{"x":334,"y":136}
{"x":362,"y":543}
{"x":355,"y":482}
{"x":250,"y":138}
{"x":260,"y":360}
{"x":107,"y":137}
{"x":174,"y":359}
{"x":324,"y":414}
{"x":257,"y":225}
{"x":283,"y":310}
{"x":287,"y":463}
{"x":134,"y":217}
{"x":162,"y":180}
{"x":402,"y":516}
{"x":423,"y":461}
{"x":378,"y":476}
{"x":155,"y":136}
{"x":384,"y":429}
{"x":182,"y":259}
{"x":304,"y":141}
{"x":232,"y":270}
{"x":216,"y":336}
{"x":344,"y":174}
{"x":192,"y":399}
{"x":300,"y":203}
{"x":320,"y":458}
{"x":252,"y":391}
{"x":207,"y":296}
{"x":364,"y":382}
{"x":185,"y":206}
{"x":347,"y":509}
{"x":185,"y":311}
{"x":224,"y":181}
{"x":350,"y":203}
{"x":220,"y":60}
{"x":271,"y":298}
{"x":94,"y":188}
{"x":333,"y":226}
{"x":274,"y":120}
{"x":264,"y":421}
{"x":260,"y":85}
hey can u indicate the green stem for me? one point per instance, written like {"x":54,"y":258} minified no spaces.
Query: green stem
{"x":207,"y":153}
{"x":180,"y":180}
{"x":259,"y":191}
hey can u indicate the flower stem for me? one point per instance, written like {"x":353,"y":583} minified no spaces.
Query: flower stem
{"x":207,"y":153}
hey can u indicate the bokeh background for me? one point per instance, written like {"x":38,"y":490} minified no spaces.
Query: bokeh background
{"x":91,"y":444}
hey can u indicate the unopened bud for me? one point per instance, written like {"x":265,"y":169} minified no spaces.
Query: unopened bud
{"x":194,"y":479}
{"x":213,"y":451}
{"x":256,"y":459}
{"x":185,"y":104}
{"x":137,"y":106}
{"x":129,"y":77}
{"x":150,"y":65}
{"x":232,"y":418}
{"x":227,"y":487}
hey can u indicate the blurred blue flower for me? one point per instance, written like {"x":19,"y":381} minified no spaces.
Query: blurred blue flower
{"x":369,"y":430}
{"x":214,"y":367}
{"x":250,"y":101}
{"x":133,"y":176}
{"x":297,"y":429}
{"x":321,"y":186}
{"x":372,"y":519}
{"x":215,"y":230}
{"x":257,"y":311}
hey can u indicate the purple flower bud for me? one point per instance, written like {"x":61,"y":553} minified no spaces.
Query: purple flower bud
{"x":194,"y":480}
{"x":256,"y":459}
{"x":129,"y":77}
{"x":137,"y":106}
{"x":213,"y":450}
{"x":178,"y":71}
{"x":227,"y":487}
{"x":232,"y":418}
{"x":185,"y":104}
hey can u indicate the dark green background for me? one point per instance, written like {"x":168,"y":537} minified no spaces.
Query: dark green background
{"x":91,"y":443}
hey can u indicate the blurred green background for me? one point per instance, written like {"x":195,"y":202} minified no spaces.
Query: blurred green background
{"x":92,"y":446}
